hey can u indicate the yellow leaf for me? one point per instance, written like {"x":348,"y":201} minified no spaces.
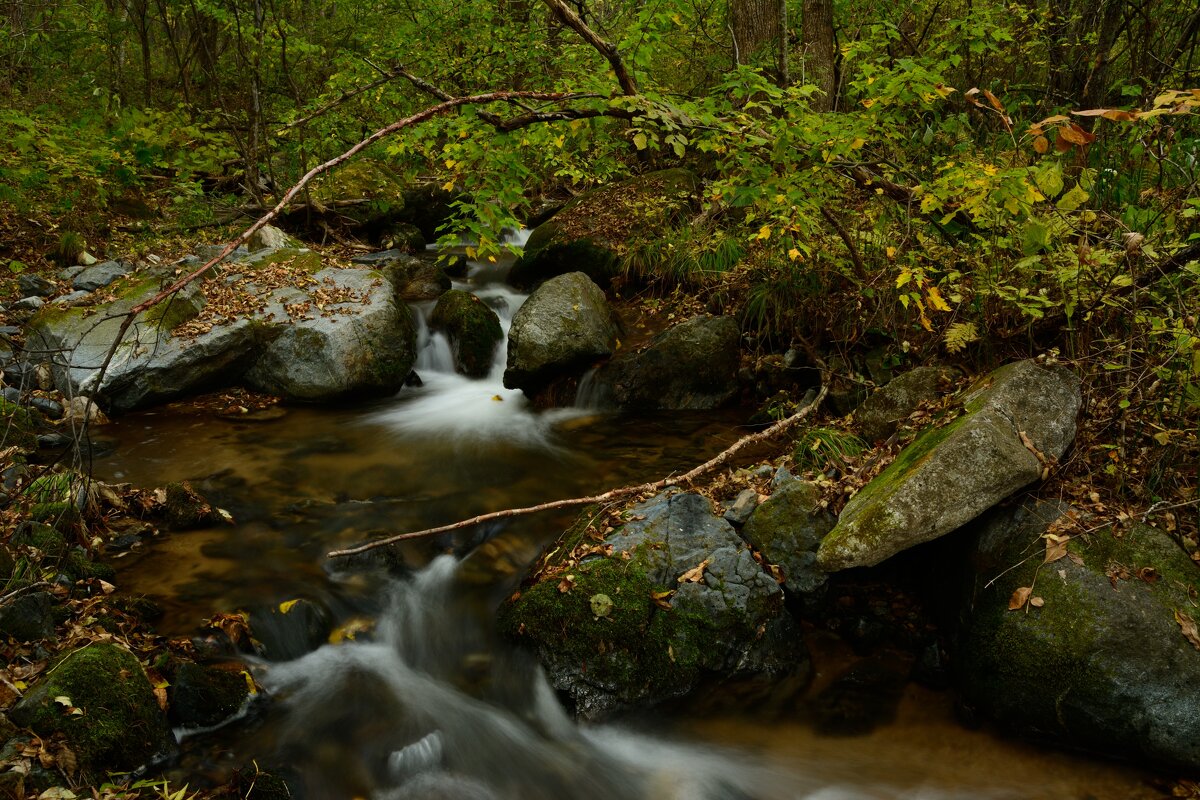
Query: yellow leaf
{"x":497,"y":398}
{"x":448,"y":185}
{"x":904,"y":277}
{"x":989,"y":169}
{"x":450,"y":162}
{"x":793,"y":254}
{"x":764,"y":232}
{"x":935,"y":299}
{"x":891,"y":253}
{"x":288,"y":605}
{"x":857,"y":143}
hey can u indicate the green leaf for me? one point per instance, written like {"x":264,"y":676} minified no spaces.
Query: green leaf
{"x":1049,"y":178}
{"x":1073,"y":199}
{"x":639,"y":141}
{"x":1035,"y":238}
{"x":16,"y":267}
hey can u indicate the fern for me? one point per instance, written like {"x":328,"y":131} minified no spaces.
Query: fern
{"x":959,"y":335}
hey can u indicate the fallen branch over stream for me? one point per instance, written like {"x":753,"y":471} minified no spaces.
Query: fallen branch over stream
{"x":717,"y":461}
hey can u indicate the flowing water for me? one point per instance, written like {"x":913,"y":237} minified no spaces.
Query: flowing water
{"x":429,"y":704}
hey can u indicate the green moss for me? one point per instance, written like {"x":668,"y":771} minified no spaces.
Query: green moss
{"x":120,"y":726}
{"x":44,"y":538}
{"x":307,"y":261}
{"x":18,"y":426}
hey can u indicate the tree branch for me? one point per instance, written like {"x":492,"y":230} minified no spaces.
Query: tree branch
{"x":606,"y":49}
{"x":343,"y":97}
{"x":719,"y":460}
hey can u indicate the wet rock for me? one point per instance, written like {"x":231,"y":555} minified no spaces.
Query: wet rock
{"x":98,"y":276}
{"x":787,"y":529}
{"x":82,"y":409}
{"x":416,"y":279}
{"x":691,"y":366}
{"x":688,"y":601}
{"x":119,"y":727}
{"x":378,"y":258}
{"x":31,"y":285}
{"x":951,"y":474}
{"x":202,"y":697}
{"x":473,"y":329}
{"x":881,"y":414}
{"x":186,"y":509}
{"x":356,"y":348}
{"x":592,"y":232}
{"x":71,"y":298}
{"x":737,"y":512}
{"x":51,"y":408}
{"x":401,"y":236}
{"x":28,"y":618}
{"x":565,"y":325}
{"x":1102,"y":663}
{"x":291,"y":629}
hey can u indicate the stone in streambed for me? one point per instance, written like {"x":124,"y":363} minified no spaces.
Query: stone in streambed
{"x":881,"y":414}
{"x":564,"y":326}
{"x":951,"y":474}
{"x":1103,"y":662}
{"x":473,"y":329}
{"x":787,"y":529}
{"x":202,"y":697}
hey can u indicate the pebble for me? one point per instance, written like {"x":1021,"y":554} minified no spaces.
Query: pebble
{"x":28,"y":304}
{"x":50,"y":408}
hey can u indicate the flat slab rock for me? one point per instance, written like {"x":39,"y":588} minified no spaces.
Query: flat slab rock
{"x":949,"y":475}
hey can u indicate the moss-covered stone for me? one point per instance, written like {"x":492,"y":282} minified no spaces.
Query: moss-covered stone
{"x":592,"y":233}
{"x":18,"y":426}
{"x":185,"y":508}
{"x":473,"y":329}
{"x":362,"y":179}
{"x":100,"y":700}
{"x":1101,"y":662}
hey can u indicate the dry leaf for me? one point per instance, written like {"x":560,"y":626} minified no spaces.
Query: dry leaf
{"x":1037,"y":602}
{"x":662,"y":599}
{"x":566,"y":584}
{"x":1056,"y":547}
{"x":1019,"y":598}
{"x":695,"y":574}
{"x":1188,"y":626}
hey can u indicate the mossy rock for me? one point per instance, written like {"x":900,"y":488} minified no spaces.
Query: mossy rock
{"x":594,"y":232}
{"x":679,"y":600}
{"x":473,"y":329}
{"x":299,"y":259}
{"x":119,"y":725}
{"x":186,"y":509}
{"x":202,"y":697}
{"x":18,"y":426}
{"x":363,"y":179}
{"x":1100,"y":661}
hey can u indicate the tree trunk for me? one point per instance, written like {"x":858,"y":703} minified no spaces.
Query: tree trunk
{"x":820,"y":52}
{"x":1082,"y":34}
{"x":753,"y":23}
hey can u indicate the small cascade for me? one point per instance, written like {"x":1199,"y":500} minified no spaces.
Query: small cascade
{"x":466,"y":410}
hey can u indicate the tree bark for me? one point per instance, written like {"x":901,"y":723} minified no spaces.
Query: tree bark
{"x":820,"y":52}
{"x":754,"y":23}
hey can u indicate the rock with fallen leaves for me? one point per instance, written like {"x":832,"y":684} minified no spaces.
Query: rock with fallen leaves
{"x":691,"y":366}
{"x":1081,"y":636}
{"x":564,"y":326}
{"x":1015,"y":424}
{"x":787,"y":529}
{"x":882,"y":413}
{"x":99,"y":699}
{"x":684,"y":599}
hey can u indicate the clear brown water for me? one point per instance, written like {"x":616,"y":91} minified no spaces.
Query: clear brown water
{"x":431,"y":705}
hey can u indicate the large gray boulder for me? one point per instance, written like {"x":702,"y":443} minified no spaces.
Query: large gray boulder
{"x":787,"y":529}
{"x":691,"y":366}
{"x":951,"y":474}
{"x":679,"y":597}
{"x":364,"y":345}
{"x":564,"y":326}
{"x":1099,"y":660}
{"x":331,"y":334}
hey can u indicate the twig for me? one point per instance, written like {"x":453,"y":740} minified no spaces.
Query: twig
{"x":606,"y":49}
{"x":613,"y":494}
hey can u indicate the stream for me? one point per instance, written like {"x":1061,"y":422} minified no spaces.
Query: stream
{"x":419,"y":699}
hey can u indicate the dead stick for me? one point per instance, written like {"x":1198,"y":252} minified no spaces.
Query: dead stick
{"x":612,"y":494}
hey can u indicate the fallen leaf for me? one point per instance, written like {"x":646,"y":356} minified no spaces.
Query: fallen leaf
{"x":695,"y":574}
{"x":1037,"y":602}
{"x":1148,"y":574}
{"x":1019,"y":598}
{"x":1056,"y":547}
{"x":566,"y":584}
{"x":1188,"y":626}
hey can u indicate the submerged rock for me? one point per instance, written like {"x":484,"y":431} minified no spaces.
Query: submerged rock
{"x":592,"y":232}
{"x":473,"y":329}
{"x":691,"y":366}
{"x":100,"y":700}
{"x":202,"y":697}
{"x":679,"y":599}
{"x":564,"y":326}
{"x":1101,"y":661}
{"x":949,"y":475}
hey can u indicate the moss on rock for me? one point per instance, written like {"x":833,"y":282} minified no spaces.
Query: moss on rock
{"x":100,"y":700}
{"x":473,"y":328}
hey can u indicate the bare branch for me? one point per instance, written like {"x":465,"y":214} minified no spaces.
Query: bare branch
{"x":606,"y":49}
{"x":717,"y":461}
